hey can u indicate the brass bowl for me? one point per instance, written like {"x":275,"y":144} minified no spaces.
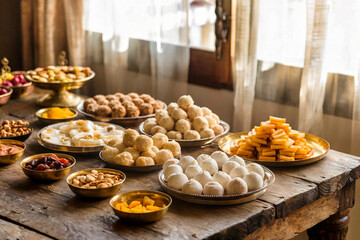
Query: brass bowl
{"x":99,"y":192}
{"x":22,"y":90}
{"x":49,"y":121}
{"x":47,"y":175}
{"x":11,"y":158}
{"x":21,"y":138}
{"x":5,"y":97}
{"x":159,"y":197}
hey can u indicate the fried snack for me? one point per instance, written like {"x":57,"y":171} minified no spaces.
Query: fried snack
{"x":273,"y":140}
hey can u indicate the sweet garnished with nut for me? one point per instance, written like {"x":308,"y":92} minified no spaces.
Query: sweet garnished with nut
{"x":14,"y":128}
{"x":95,"y":180}
{"x":59,"y":73}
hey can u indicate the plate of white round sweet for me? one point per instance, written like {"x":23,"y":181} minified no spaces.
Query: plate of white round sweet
{"x":215,"y":179}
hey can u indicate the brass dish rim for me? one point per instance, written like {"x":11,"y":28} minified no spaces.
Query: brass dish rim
{"x":68,"y":157}
{"x":74,"y":174}
{"x":9,"y":89}
{"x":301,"y":162}
{"x":28,"y":84}
{"x":17,"y":142}
{"x":92,"y":75}
{"x":41,"y":111}
{"x":112,"y":200}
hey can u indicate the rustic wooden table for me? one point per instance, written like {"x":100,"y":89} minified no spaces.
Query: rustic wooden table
{"x":316,"y":198}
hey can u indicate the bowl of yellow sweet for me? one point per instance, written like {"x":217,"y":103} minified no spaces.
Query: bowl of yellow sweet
{"x":142,"y":206}
{"x":55,"y":115}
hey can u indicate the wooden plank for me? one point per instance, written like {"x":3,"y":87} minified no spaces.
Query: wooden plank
{"x":300,"y":220}
{"x":11,"y":231}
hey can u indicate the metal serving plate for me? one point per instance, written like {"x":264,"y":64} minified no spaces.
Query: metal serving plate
{"x":71,"y":149}
{"x":321,"y":148}
{"x":269,"y":178}
{"x":124,"y":168}
{"x":197,"y":142}
{"x":120,"y":121}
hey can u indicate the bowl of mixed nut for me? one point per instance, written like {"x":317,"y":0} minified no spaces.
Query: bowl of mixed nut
{"x":96,"y":183}
{"x":15,"y":130}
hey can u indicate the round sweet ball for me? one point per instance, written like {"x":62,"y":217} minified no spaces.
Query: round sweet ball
{"x":146,"y":109}
{"x":178,"y":113}
{"x":174,"y":135}
{"x":89,"y":101}
{"x":160,"y":114}
{"x":158,"y":129}
{"x":134,"y":153}
{"x":109,"y":153}
{"x":202,"y":157}
{"x":203,"y":178}
{"x":172,"y":168}
{"x":194,"y":111}
{"x":158,"y":105}
{"x":148,"y":126}
{"x":125,"y":98}
{"x":229,"y":165}
{"x":213,"y":188}
{"x":192,"y":170}
{"x":211,"y":121}
{"x":121,"y":147}
{"x":127,"y":104}
{"x":91,"y":108}
{"x":174,"y":147}
{"x":129,"y":137}
{"x":148,"y":153}
{"x":163,"y":155}
{"x":206,"y":111}
{"x":254,"y":167}
{"x":186,"y":161}
{"x":155,"y":149}
{"x":236,"y":186}
{"x":192,"y":187}
{"x":103,"y":111}
{"x":124,"y":158}
{"x":144,"y":161}
{"x":239,"y":171}
{"x":177,"y":180}
{"x":132,"y":111}
{"x":191,"y":135}
{"x":171,"y":107}
{"x":237,"y":159}
{"x":138,"y":102}
{"x":114,"y":142}
{"x":150,"y":120}
{"x":209,"y":165}
{"x":207,"y":133}
{"x":170,"y":162}
{"x":167,"y":122}
{"x":143,"y":143}
{"x":103,"y":101}
{"x":118,"y":111}
{"x":185,"y":102}
{"x":200,"y":123}
{"x":254,"y":181}
{"x":98,"y":97}
{"x":133,"y":95}
{"x":220,"y":157}
{"x":182,"y":125}
{"x":218,"y":129}
{"x":216,"y":117}
{"x":159,"y":140}
{"x":223,"y":178}
{"x":111,"y":97}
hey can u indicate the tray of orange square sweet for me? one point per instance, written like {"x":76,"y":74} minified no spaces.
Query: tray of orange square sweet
{"x":274,"y":143}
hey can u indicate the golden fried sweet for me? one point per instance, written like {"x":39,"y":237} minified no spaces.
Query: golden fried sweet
{"x":194,"y":111}
{"x":185,"y":102}
{"x":114,"y":103}
{"x":134,"y":153}
{"x":138,"y":102}
{"x":118,"y":111}
{"x":148,"y":126}
{"x":128,"y":104}
{"x":158,"y":105}
{"x":125,"y":98}
{"x":160,"y":114}
{"x":124,"y":158}
{"x":218,"y":129}
{"x":158,"y":129}
{"x":163,"y":155}
{"x":159,"y":140}
{"x":98,"y":97}
{"x":207,"y":133}
{"x":143,"y":143}
{"x":129,"y":137}
{"x":191,"y":134}
{"x":132,"y":111}
{"x":119,"y":95}
{"x":200,"y":123}
{"x":174,"y":135}
{"x":109,"y":153}
{"x":174,"y":147}
{"x":89,"y":101}
{"x":146,"y":109}
{"x":91,"y":108}
{"x":146,"y":97}
{"x":103,"y":111}
{"x":211,"y":121}
{"x":144,"y":161}
{"x":167,"y":122}
{"x":216,"y":117}
{"x":133,"y":95}
{"x":206,"y":111}
{"x":171,"y":107}
{"x":178,"y":113}
{"x":149,"y":153}
{"x":111,"y":97}
{"x":182,"y":125}
{"x":103,"y":101}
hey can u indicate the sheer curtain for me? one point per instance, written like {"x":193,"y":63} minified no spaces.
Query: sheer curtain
{"x":138,"y":45}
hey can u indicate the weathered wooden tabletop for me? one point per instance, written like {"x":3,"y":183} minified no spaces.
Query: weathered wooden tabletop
{"x":300,"y":198}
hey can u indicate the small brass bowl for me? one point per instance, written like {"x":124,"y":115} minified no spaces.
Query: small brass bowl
{"x":11,"y":158}
{"x":159,"y":197}
{"x":21,"y":138}
{"x":22,"y":90}
{"x":5,"y":97}
{"x":47,"y":175}
{"x":99,"y":192}
{"x":49,"y":121}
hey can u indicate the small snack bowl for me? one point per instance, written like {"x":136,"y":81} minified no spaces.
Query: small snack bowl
{"x":11,"y":158}
{"x":39,"y":114}
{"x":4,"y":98}
{"x":157,"y":199}
{"x":94,"y":182}
{"x":21,"y":138}
{"x":23,"y":89}
{"x":47,"y":174}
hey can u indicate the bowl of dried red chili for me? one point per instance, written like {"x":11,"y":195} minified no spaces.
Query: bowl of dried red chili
{"x":48,"y":166}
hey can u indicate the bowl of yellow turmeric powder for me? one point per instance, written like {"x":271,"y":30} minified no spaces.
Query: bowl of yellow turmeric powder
{"x":55,"y":115}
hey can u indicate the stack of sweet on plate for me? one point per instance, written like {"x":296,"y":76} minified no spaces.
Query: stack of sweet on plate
{"x":184,"y":120}
{"x":59,"y":74}
{"x":119,"y":105}
{"x":140,"y":150}
{"x":214,"y":174}
{"x":273,"y":140}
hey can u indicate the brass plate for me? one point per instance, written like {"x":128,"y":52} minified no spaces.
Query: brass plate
{"x":124,"y":168}
{"x":321,"y":148}
{"x":71,"y":149}
{"x":120,"y":121}
{"x":269,"y":179}
{"x":197,"y":142}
